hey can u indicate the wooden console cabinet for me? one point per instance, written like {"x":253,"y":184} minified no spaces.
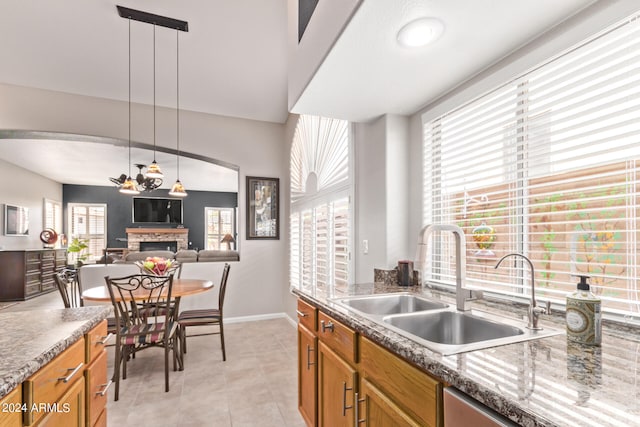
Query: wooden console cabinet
{"x":29,"y":273}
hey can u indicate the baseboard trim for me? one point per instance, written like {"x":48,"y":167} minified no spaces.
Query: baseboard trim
{"x":258,"y":317}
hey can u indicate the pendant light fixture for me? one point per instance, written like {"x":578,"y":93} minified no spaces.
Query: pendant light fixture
{"x":154,"y":171}
{"x":129,"y":186}
{"x":178,"y":189}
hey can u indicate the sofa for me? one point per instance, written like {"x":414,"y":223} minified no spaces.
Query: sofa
{"x":183,"y":256}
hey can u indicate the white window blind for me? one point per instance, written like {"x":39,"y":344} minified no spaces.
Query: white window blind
{"x":53,"y":215}
{"x":89,"y":222}
{"x":546,"y":165}
{"x":219,"y":222}
{"x":319,"y":217}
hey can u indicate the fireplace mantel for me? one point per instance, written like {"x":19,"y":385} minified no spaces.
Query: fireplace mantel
{"x":157,"y":230}
{"x":137,"y":235}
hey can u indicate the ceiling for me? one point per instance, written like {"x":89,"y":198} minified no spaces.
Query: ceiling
{"x":233,"y":60}
{"x":368,"y":74}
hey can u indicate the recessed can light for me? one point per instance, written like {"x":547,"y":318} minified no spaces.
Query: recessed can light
{"x":420,"y":32}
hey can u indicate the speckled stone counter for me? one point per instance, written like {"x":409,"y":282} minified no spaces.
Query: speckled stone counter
{"x":30,"y":339}
{"x":543,"y":382}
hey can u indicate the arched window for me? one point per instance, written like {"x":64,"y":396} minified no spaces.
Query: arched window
{"x":320,"y":204}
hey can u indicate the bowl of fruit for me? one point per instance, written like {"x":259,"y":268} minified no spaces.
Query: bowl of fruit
{"x":157,"y":266}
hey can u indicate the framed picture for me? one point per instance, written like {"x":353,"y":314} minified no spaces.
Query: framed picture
{"x":263,"y":200}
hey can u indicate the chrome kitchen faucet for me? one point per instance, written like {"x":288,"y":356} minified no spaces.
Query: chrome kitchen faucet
{"x":463,"y":295}
{"x":534,"y":312}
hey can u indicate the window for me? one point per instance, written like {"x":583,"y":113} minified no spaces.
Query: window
{"x":53,"y":215}
{"x":320,"y":205}
{"x":219,"y":223}
{"x":89,"y":222}
{"x":546,"y":165}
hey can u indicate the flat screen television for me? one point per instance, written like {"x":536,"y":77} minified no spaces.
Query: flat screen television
{"x":16,"y":220}
{"x":157,"y":210}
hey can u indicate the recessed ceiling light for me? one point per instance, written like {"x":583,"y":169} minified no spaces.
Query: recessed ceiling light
{"x":420,"y":32}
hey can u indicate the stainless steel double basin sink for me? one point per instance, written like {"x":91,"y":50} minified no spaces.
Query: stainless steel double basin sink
{"x":439,"y":326}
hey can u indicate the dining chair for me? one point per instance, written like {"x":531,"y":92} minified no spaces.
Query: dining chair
{"x":206,"y":317}
{"x":136,"y":301}
{"x":67,"y":283}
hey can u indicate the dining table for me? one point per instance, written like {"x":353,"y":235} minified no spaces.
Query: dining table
{"x":180,"y":288}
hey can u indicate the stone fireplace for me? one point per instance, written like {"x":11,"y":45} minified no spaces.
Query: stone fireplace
{"x":165,"y":236}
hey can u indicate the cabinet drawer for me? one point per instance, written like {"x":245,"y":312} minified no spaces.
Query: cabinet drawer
{"x":97,"y":385}
{"x":337,"y":336}
{"x":402,"y":382}
{"x":95,"y":341}
{"x":32,"y":256}
{"x":48,"y":384}
{"x":307,"y":315}
{"x":68,"y":411}
{"x":11,"y":408}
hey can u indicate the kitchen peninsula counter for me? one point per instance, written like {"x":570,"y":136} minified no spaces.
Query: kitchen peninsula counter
{"x":542,"y":382}
{"x":31,"y":339}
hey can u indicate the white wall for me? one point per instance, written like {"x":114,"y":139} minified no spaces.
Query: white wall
{"x":327,"y":22}
{"x":382,"y":194}
{"x":24,"y":188}
{"x":256,"y":147}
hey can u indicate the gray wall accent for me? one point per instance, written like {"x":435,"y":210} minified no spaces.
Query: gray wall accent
{"x":119,"y":210}
{"x":25,"y":188}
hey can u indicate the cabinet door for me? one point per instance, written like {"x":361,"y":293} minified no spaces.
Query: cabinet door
{"x":376,"y":409}
{"x":68,"y":411}
{"x":337,"y":382}
{"x":97,"y":384}
{"x":11,"y":408}
{"x":307,"y":374}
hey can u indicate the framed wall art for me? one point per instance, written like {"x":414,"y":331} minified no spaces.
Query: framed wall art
{"x":263,"y":204}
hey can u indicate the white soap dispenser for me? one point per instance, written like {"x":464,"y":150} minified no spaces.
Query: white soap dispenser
{"x":584,"y":315}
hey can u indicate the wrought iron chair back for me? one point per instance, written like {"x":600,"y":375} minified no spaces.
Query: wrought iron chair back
{"x":139,"y":298}
{"x":142,"y":305}
{"x":67,"y":283}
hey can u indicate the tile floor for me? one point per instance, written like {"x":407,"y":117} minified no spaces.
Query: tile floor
{"x":255,"y":387}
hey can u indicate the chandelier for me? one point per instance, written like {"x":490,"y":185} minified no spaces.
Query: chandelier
{"x":142,"y":182}
{"x":152,"y":179}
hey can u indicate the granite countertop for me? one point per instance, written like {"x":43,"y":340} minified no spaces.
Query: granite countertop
{"x":30,"y":339}
{"x":543,"y":382}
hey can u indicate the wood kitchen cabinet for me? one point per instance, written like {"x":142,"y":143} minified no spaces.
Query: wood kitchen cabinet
{"x":29,"y":272}
{"x":57,"y":390}
{"x":70,"y":390}
{"x":358,"y":379}
{"x":337,"y":382}
{"x":396,"y":392}
{"x":377,"y":409}
{"x":307,"y":374}
{"x":11,"y":408}
{"x":337,"y":374}
{"x":96,"y":378}
{"x":307,"y":366}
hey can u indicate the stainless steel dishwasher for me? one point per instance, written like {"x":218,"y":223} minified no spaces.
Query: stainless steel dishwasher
{"x":461,"y":410}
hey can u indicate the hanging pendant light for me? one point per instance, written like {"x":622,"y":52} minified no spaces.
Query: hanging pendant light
{"x":129,"y":186}
{"x":178,"y":189}
{"x":154,"y":171}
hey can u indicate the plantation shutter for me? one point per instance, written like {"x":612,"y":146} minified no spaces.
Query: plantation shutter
{"x":319,"y":218}
{"x":546,"y":165}
{"x":88,"y":222}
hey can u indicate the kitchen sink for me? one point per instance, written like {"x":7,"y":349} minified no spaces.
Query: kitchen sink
{"x":451,"y":332}
{"x":438,"y":325}
{"x":386,"y":304}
